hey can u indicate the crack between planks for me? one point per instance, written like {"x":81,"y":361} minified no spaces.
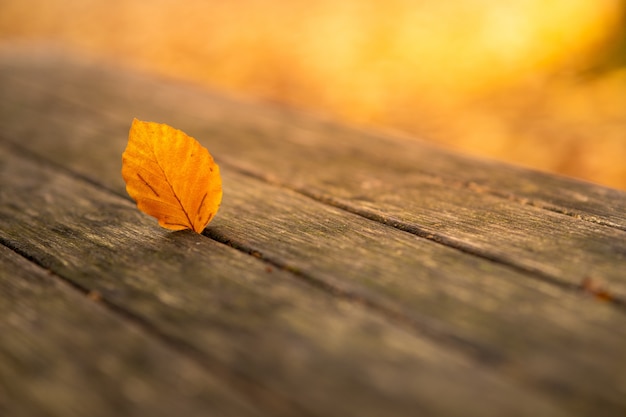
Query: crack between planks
{"x":474,"y":350}
{"x":448,"y":181}
{"x":534,"y":273}
{"x":379,"y":218}
{"x":35,"y":157}
{"x":271,"y":401}
{"x":422,"y":326}
{"x":268,"y":399}
{"x":477,"y":187}
{"x":532,"y":202}
{"x":276,"y":403}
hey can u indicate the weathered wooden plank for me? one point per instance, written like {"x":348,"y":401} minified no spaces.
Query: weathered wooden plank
{"x":543,"y":334}
{"x":62,"y":354}
{"x":330,"y":357}
{"x":378,"y":178}
{"x":273,"y":126}
{"x":489,"y":312}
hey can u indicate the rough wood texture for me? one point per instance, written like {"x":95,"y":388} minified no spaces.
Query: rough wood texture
{"x":395,"y":278}
{"x":238,"y":315}
{"x":62,"y":354}
{"x":374,"y":176}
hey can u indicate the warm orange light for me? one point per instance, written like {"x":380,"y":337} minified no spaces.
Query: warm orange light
{"x":485,"y":76}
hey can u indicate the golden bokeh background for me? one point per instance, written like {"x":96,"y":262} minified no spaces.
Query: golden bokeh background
{"x":533,"y":82}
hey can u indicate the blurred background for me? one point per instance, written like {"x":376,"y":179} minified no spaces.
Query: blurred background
{"x":541,"y":83}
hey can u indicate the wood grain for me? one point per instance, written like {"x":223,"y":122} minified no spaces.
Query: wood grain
{"x":62,"y":354}
{"x":361,"y":301}
{"x":238,"y":316}
{"x":464,"y":303}
{"x":123,"y":91}
{"x":491,"y":210}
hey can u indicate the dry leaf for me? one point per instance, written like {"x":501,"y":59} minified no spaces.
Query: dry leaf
{"x":171,"y":176}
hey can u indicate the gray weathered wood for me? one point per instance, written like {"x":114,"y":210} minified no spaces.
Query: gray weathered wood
{"x":122,"y":92}
{"x":62,"y":354}
{"x":230,"y":309}
{"x":334,"y":247}
{"x":384,"y":180}
{"x":500,"y":321}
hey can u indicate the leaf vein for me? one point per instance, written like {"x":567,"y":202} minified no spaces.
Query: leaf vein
{"x":149,"y":186}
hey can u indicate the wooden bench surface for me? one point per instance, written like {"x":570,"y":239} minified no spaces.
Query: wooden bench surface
{"x":347,"y":273}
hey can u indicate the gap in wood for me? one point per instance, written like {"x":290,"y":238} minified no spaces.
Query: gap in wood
{"x":273,"y":402}
{"x":423,"y":326}
{"x":524,"y":201}
{"x":33,"y":156}
{"x":444,"y":240}
{"x":345,"y":206}
{"x":448,"y":181}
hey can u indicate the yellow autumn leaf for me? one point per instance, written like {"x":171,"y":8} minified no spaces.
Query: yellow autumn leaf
{"x":171,"y":176}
